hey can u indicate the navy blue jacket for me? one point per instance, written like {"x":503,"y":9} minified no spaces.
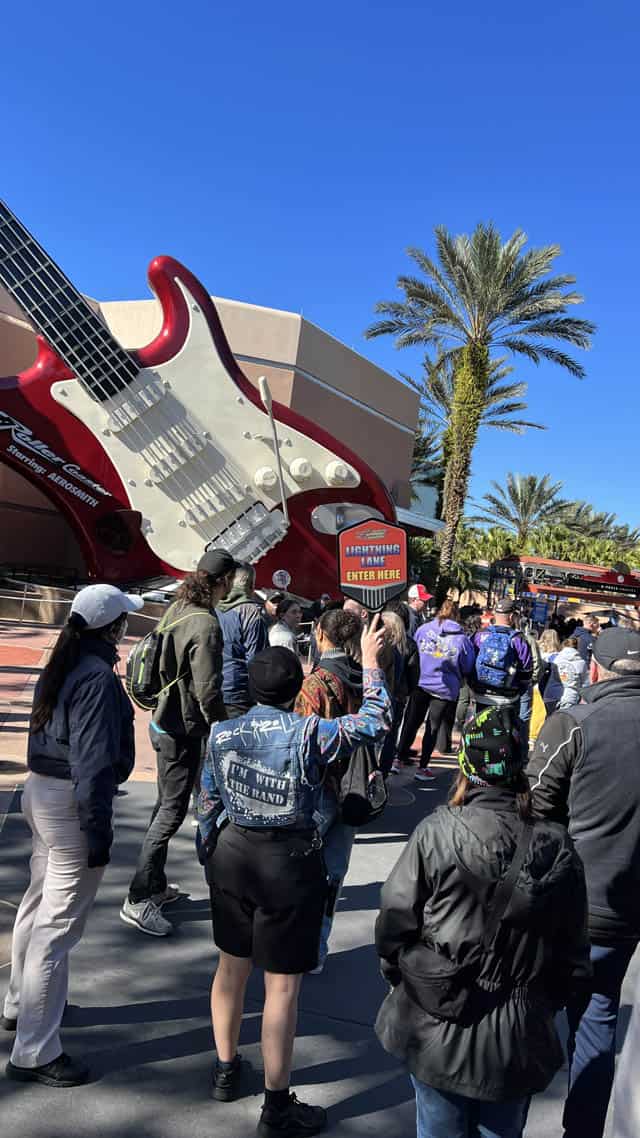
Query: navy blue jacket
{"x":89,"y":739}
{"x":244,"y":632}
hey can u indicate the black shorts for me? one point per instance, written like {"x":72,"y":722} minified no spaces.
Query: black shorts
{"x":268,"y":905}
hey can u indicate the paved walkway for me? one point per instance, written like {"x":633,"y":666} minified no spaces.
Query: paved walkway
{"x":139,"y":1005}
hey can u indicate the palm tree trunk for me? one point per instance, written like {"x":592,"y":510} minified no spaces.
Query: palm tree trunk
{"x":470,"y":383}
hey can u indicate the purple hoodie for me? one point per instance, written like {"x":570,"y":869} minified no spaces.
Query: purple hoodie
{"x":446,"y":657}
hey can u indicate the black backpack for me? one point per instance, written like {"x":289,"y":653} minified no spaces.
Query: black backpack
{"x":362,"y":794}
{"x":361,"y":791}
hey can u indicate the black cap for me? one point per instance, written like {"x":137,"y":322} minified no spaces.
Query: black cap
{"x":616,"y":644}
{"x":216,"y":563}
{"x":506,"y":605}
{"x":275,"y":676}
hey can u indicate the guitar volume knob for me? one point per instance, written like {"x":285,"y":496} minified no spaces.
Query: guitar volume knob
{"x":301,"y":469}
{"x":337,"y":473}
{"x":265,"y":478}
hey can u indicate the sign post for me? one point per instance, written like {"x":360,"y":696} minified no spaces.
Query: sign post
{"x":372,"y":563}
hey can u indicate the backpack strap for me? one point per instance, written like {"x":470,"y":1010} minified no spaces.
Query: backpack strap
{"x":505,"y":888}
{"x":495,"y":911}
{"x":164,"y":627}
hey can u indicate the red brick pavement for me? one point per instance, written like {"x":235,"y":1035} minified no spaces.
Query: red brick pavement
{"x":23,"y":653}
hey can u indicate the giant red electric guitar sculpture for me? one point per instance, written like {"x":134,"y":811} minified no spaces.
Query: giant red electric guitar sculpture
{"x":155,"y":453}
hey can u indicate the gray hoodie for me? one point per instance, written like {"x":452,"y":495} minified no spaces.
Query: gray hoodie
{"x":571,"y":671}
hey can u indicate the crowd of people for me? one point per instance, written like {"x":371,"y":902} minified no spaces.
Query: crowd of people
{"x":517,"y":899}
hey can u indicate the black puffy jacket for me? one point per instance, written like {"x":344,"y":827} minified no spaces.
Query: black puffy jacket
{"x":89,"y":739}
{"x":509,"y":1048}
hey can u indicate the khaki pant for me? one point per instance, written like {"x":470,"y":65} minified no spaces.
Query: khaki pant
{"x":50,"y":920}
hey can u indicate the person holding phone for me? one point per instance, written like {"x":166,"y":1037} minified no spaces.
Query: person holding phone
{"x":264,"y":863}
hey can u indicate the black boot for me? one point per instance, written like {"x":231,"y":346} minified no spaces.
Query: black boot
{"x":226,"y":1079}
{"x":295,"y":1120}
{"x":61,"y":1072}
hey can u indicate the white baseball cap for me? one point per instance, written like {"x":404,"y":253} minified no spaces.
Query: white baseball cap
{"x":99,"y":605}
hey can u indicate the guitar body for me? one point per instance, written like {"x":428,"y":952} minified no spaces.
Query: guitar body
{"x":182,"y":456}
{"x":66,"y":463}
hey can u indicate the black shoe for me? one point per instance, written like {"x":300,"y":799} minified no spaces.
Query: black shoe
{"x":226,"y":1080}
{"x":61,"y":1072}
{"x":296,"y":1120}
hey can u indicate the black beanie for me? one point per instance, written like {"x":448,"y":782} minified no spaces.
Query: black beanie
{"x":275,"y":676}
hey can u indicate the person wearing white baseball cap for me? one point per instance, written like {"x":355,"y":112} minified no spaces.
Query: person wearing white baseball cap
{"x":81,"y":746}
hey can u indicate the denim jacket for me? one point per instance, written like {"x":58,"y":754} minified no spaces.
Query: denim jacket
{"x":264,"y":769}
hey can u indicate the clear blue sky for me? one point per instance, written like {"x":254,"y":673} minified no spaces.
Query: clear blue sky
{"x":289,"y":153}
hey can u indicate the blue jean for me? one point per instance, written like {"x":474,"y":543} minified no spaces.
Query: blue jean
{"x":337,"y":845}
{"x":592,"y":1043}
{"x":441,"y":1114}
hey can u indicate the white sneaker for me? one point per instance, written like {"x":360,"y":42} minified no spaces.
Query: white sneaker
{"x":146,"y":916}
{"x":424,"y":775}
{"x":171,"y":893}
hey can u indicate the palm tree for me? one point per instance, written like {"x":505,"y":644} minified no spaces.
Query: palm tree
{"x":501,"y":400}
{"x":522,"y":506}
{"x":564,"y":544}
{"x":427,"y":467}
{"x":482,"y":294}
{"x":556,"y":540}
{"x":598,"y":525}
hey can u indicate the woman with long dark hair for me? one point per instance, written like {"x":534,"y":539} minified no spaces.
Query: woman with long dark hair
{"x":81,"y":747}
{"x":482,"y":935}
{"x":333,"y":689}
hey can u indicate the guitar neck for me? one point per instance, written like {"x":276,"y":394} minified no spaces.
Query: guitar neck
{"x":60,"y":313}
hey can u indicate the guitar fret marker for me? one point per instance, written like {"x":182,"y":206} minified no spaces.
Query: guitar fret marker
{"x":58,"y":311}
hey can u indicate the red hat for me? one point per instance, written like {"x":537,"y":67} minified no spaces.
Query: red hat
{"x":419,"y":593}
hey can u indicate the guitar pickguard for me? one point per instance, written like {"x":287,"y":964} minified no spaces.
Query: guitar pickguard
{"x":197,"y":457}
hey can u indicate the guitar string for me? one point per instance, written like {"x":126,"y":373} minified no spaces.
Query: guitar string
{"x":37,"y":280}
{"x":120,"y":358}
{"x":228,"y":494}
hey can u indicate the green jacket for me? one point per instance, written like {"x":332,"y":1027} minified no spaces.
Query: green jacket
{"x":190,"y":671}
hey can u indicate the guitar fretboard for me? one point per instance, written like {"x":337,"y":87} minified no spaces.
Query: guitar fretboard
{"x":60,"y":313}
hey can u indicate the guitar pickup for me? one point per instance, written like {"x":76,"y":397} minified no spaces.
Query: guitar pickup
{"x":201,"y":512}
{"x":180,"y":454}
{"x":135,"y":405}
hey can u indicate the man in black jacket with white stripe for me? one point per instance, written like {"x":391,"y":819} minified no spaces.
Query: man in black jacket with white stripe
{"x":585,"y":772}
